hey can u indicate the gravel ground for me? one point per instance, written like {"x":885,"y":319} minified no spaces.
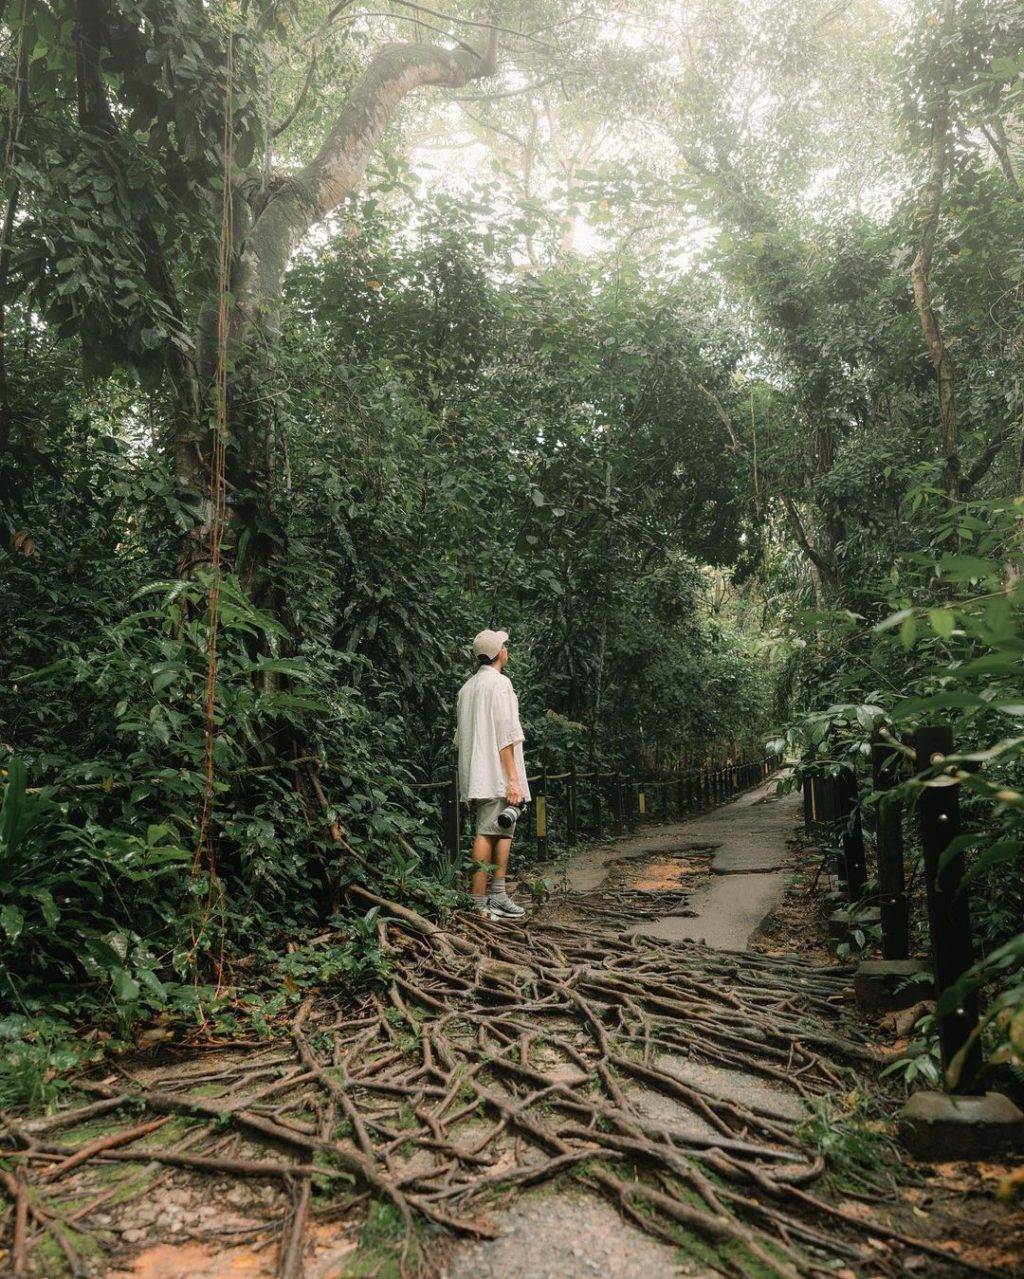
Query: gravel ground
{"x":569,"y":1235}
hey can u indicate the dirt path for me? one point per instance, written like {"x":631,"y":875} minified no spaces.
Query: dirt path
{"x":590,"y":1092}
{"x":746,"y":843}
{"x":734,"y":858}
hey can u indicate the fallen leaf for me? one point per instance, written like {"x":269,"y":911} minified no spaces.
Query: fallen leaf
{"x":150,"y":1038}
{"x":25,"y":543}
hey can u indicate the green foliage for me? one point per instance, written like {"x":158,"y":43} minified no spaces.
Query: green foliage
{"x":481,"y":453}
{"x":694,"y":470}
{"x":852,"y":1136}
{"x":35,"y":1054}
{"x":946,"y":647}
{"x":919,"y":1063}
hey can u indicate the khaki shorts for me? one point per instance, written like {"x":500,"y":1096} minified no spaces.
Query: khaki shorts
{"x":485,"y":817}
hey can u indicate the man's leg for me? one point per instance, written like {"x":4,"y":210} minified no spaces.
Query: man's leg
{"x":501,"y":851}
{"x":499,"y":897}
{"x":483,"y":849}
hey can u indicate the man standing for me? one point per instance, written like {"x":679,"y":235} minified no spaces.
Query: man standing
{"x":492,"y":773}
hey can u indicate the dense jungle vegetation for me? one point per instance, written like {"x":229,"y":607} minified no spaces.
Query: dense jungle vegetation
{"x":683,"y":342}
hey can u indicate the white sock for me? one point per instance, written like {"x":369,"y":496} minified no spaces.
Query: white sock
{"x":479,"y":900}
{"x":498,"y":887}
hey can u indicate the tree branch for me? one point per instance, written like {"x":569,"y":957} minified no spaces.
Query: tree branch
{"x":824,"y":567}
{"x":737,"y":444}
{"x":983,"y":462}
{"x":995,"y":135}
{"x":820,"y":562}
{"x":393,"y":73}
{"x":278,"y":129}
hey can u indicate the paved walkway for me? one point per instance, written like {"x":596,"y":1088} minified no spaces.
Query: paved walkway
{"x":748,"y":869}
{"x":748,"y":841}
{"x":568,"y":1234}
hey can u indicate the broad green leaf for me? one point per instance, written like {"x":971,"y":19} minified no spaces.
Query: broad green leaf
{"x":12,"y":921}
{"x":943,"y":621}
{"x":911,"y":707}
{"x":125,"y":986}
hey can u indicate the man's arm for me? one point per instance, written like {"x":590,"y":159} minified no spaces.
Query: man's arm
{"x":513,"y":788}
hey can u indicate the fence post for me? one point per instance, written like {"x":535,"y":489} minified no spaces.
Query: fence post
{"x":949,"y":914}
{"x":540,"y":810}
{"x":452,"y":818}
{"x":572,"y":816}
{"x":892,"y":892}
{"x":851,"y":833}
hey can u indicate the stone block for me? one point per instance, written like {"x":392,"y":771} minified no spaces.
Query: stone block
{"x":843,"y":923}
{"x":944,"y":1126}
{"x":879,"y":984}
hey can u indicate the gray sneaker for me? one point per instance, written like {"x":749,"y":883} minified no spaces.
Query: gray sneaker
{"x":505,"y":906}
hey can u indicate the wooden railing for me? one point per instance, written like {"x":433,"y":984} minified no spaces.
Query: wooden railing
{"x":832,"y":807}
{"x":593,"y":803}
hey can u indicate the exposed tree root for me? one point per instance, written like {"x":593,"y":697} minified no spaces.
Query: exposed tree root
{"x":505,"y":1055}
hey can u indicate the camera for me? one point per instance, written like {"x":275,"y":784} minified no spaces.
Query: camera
{"x":508,"y":816}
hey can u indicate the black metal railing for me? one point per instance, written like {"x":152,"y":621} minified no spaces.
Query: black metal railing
{"x":593,"y":803}
{"x":832,"y":807}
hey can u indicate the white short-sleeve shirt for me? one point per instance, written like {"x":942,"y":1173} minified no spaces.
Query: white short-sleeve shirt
{"x":488,"y":719}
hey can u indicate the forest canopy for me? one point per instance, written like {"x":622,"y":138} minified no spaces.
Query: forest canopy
{"x":683,"y":342}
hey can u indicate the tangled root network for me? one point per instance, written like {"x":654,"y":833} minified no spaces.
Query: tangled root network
{"x":505,"y":1055}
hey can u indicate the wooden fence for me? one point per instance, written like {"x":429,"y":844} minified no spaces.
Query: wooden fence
{"x":832,"y":804}
{"x":588,"y":804}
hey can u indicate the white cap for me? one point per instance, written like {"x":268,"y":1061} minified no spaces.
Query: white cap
{"x":489,"y":643}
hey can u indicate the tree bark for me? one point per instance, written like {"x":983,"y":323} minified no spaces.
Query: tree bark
{"x":920,"y":275}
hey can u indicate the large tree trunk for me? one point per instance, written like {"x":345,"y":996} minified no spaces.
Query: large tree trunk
{"x":300,"y":202}
{"x":266,"y":229}
{"x":920,"y":275}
